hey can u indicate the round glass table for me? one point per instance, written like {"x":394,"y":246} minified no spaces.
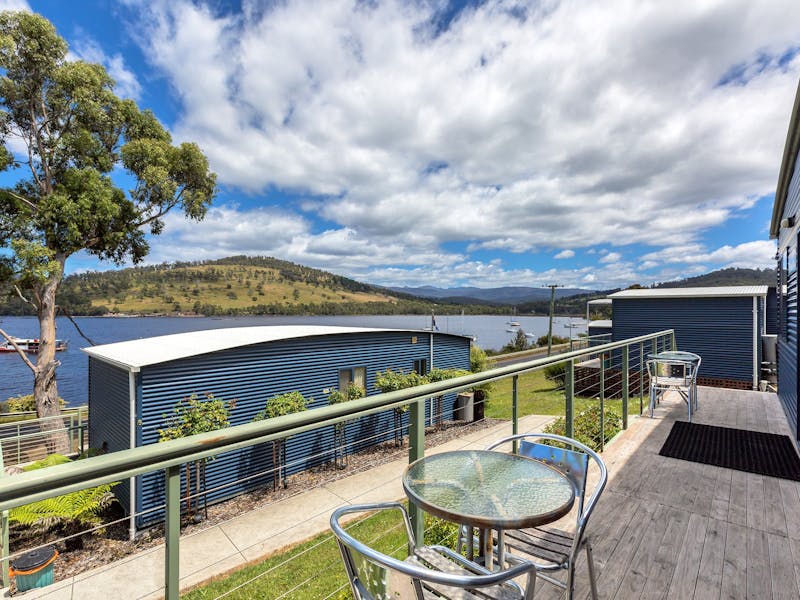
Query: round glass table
{"x":488,"y":490}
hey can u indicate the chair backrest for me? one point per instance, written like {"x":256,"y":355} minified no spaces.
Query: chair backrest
{"x":574,"y":464}
{"x":377,"y":576}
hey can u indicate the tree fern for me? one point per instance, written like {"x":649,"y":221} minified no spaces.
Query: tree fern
{"x":81,"y":508}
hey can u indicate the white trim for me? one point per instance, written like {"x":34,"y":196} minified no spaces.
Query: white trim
{"x":755,"y":343}
{"x":132,"y":443}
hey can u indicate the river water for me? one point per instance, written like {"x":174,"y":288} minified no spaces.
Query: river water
{"x":490,"y":331}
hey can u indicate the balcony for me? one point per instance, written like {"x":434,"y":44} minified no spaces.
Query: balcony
{"x":664,"y":527}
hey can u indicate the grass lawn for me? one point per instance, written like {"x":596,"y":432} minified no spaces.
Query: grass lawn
{"x":311,"y":570}
{"x":537,"y":395}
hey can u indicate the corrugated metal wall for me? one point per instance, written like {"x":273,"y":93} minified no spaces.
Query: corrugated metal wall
{"x":252,"y":374}
{"x":787,"y":306}
{"x":109,"y":414}
{"x":772,"y":311}
{"x":718,"y":329}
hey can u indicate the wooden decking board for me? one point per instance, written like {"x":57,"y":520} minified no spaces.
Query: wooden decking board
{"x":759,"y":584}
{"x":737,"y":508}
{"x":781,"y":568}
{"x":791,"y":507}
{"x":720,"y":505}
{"x":775,"y":518}
{"x":706,"y":480}
{"x":734,"y":570}
{"x":684,"y":576}
{"x":795,"y":547}
{"x":662,"y":567}
{"x":709,"y":576}
{"x":635,"y":579}
{"x":755,"y":509}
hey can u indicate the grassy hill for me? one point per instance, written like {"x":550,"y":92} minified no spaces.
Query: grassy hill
{"x":238,"y":285}
{"x":724,"y":277}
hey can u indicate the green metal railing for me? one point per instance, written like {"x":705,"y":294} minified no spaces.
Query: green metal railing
{"x":168,"y":456}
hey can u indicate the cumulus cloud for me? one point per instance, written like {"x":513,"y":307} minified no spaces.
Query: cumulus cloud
{"x":565,"y":254}
{"x":758,"y":254}
{"x":516,"y":128}
{"x":89,"y":50}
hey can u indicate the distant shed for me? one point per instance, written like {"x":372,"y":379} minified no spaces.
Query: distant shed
{"x":133,"y":384}
{"x":724,"y":325}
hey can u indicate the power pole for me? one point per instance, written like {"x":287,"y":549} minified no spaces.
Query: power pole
{"x":552,"y":287}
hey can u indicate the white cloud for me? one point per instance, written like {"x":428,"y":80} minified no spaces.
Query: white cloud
{"x":582,"y":124}
{"x":89,"y":50}
{"x":565,"y":254}
{"x":611,"y":257}
{"x":14,"y":5}
{"x":758,"y":254}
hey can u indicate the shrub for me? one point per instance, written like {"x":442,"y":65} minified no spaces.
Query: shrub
{"x":440,"y":532}
{"x":555,"y":373}
{"x":586,"y":426}
{"x":23,"y":404}
{"x":194,"y":415}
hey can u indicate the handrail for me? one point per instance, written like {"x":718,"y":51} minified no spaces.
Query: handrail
{"x":39,"y":484}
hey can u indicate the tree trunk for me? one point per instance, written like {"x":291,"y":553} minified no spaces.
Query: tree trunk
{"x":45,"y":387}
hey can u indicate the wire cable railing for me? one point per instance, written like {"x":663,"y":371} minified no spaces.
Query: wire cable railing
{"x":170,"y":456}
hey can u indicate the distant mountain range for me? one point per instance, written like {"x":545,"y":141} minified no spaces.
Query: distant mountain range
{"x":502,"y":295}
{"x":722,"y":277}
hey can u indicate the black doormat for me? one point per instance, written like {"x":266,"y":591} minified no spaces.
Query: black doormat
{"x":752,"y":451}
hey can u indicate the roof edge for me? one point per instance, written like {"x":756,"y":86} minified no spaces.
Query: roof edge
{"x":790,"y":151}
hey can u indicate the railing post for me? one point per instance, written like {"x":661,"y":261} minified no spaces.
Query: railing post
{"x":641,"y":377}
{"x":602,"y":402}
{"x":514,"y":411}
{"x":674,"y":343}
{"x":4,"y":533}
{"x":416,"y":449}
{"x":173,"y":531}
{"x":625,"y":384}
{"x":569,"y":393}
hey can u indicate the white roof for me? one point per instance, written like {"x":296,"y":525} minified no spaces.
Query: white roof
{"x":600,"y":323}
{"x":600,"y":301}
{"x":154,"y":350}
{"x":693,"y":292}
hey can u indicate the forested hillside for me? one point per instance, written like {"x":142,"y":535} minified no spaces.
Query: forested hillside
{"x":732,"y":276}
{"x":238,"y":285}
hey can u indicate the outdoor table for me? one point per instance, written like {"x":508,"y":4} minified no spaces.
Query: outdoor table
{"x":488,"y":490}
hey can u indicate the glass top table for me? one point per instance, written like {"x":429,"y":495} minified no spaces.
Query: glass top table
{"x":488,"y":490}
{"x":675,"y":355}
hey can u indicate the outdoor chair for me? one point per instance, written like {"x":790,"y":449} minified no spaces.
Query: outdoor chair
{"x":429,"y":572}
{"x":677,"y":375}
{"x":551,"y":549}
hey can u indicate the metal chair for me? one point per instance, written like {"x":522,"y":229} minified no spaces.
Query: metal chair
{"x":553,"y":549}
{"x":429,"y":572}
{"x":677,"y":375}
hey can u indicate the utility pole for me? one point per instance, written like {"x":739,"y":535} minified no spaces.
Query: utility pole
{"x":552,"y":287}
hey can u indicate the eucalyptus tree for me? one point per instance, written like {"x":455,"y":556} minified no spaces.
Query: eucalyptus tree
{"x":67,"y":139}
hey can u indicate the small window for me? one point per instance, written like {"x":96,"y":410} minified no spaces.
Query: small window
{"x":421,"y":366}
{"x":357,"y":376}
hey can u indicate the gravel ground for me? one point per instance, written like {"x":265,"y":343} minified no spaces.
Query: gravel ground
{"x":112,"y":544}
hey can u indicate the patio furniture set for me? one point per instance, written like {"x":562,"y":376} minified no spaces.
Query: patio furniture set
{"x":503,"y":502}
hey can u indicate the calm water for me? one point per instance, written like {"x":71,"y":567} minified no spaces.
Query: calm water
{"x":16,"y":378}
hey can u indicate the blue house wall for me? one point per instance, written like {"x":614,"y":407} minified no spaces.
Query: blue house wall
{"x":250,"y":375}
{"x":719,"y":329}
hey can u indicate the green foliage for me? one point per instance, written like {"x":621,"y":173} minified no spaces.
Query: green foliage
{"x":586,"y":426}
{"x":557,"y":339}
{"x":440,"y":532}
{"x":556,"y":373}
{"x":391,"y":381}
{"x":194,"y":415}
{"x":443,"y":374}
{"x":22,"y":403}
{"x":518,"y":343}
{"x":480,"y":361}
{"x":70,"y":512}
{"x":283,"y":404}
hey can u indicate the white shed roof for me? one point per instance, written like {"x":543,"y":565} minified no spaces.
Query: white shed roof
{"x":154,"y":350}
{"x":600,"y":323}
{"x":693,"y":292}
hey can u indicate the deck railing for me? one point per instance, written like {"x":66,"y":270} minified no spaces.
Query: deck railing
{"x":169,"y":456}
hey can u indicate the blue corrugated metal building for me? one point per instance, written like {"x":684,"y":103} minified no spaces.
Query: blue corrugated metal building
{"x":785,"y":228}
{"x":133,"y":384}
{"x":724,"y":325}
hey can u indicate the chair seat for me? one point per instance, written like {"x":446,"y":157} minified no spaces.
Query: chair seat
{"x":429,"y":558}
{"x":545,"y":543}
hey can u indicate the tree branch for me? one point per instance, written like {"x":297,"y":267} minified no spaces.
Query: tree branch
{"x":24,"y":299}
{"x":22,"y":199}
{"x":71,"y":320}
{"x":19,"y":350}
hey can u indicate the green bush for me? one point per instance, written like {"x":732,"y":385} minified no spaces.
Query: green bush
{"x":440,"y":532}
{"x":23,"y":404}
{"x":586,"y":426}
{"x":555,"y":373}
{"x":192,"y":415}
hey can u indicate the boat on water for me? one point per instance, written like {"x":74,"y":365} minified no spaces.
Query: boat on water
{"x":512,"y":323}
{"x":30,"y":345}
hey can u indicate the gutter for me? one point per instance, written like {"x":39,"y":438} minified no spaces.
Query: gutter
{"x":790,"y":151}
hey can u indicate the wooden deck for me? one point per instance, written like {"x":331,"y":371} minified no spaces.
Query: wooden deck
{"x":668,"y":528}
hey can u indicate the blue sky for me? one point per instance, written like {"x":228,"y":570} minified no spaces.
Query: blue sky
{"x":469,"y":143}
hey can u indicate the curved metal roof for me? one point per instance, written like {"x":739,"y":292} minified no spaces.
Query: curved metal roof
{"x":134,"y":354}
{"x":693,"y":292}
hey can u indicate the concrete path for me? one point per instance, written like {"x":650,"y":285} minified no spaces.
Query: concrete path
{"x":256,"y":534}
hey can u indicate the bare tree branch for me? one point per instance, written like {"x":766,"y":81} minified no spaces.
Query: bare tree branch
{"x":19,"y":350}
{"x":22,"y":199}
{"x":71,"y":320}
{"x":24,"y":299}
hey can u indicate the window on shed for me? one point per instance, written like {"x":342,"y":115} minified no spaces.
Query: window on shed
{"x":357,"y":376}
{"x":421,"y":366}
